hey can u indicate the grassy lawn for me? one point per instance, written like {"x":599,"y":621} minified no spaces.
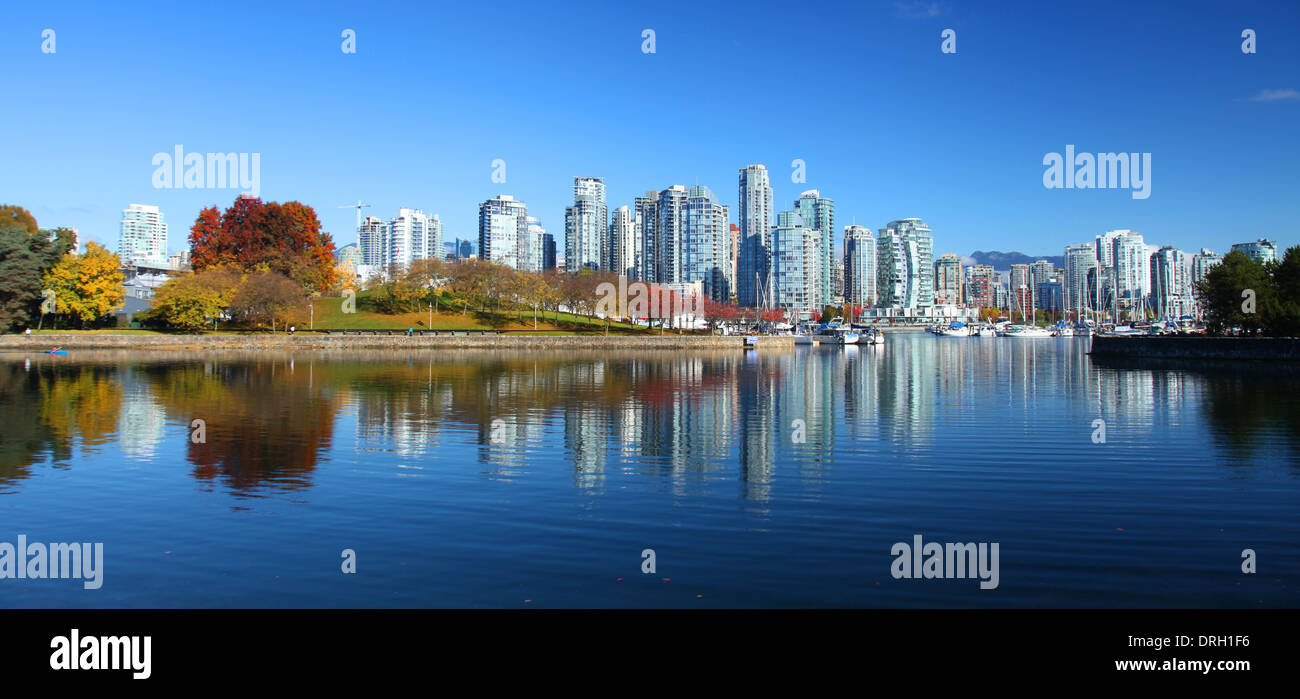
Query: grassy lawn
{"x":329,"y":314}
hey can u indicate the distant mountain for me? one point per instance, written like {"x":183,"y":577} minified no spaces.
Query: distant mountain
{"x":1004,"y":260}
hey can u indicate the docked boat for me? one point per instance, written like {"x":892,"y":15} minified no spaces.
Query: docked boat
{"x":1063,"y":330}
{"x":871,"y":336}
{"x":836,"y":331}
{"x":1026,"y":331}
{"x":955,"y":329}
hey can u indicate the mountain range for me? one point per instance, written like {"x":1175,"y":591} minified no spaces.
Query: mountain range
{"x":1004,"y":260}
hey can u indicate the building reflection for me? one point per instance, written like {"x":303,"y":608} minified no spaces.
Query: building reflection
{"x":688,"y":420}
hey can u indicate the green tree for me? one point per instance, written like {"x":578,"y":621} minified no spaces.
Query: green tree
{"x":1230,"y":289}
{"x":1283,"y":315}
{"x":21,"y":268}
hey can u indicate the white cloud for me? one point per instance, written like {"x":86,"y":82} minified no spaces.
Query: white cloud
{"x":1286,"y":94}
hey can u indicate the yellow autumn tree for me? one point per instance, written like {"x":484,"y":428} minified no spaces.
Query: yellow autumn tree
{"x":87,"y":286}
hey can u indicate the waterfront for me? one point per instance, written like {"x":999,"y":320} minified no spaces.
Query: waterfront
{"x":695,"y":454}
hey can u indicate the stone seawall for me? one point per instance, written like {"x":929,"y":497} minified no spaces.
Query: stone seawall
{"x":1181,"y":347}
{"x":308,"y":341}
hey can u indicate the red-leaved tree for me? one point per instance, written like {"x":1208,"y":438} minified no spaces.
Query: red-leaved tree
{"x":252,"y":234}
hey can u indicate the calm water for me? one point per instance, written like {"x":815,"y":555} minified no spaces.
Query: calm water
{"x":696,"y":455}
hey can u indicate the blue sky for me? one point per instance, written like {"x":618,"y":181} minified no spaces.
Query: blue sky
{"x":887,"y":125}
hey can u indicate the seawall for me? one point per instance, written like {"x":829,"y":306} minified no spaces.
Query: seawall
{"x":1182,"y":347}
{"x":308,"y":342}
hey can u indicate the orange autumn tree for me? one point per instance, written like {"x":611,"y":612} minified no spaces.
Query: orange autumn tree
{"x":255,"y":235}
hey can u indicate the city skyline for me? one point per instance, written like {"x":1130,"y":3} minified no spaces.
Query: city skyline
{"x":964,"y":164}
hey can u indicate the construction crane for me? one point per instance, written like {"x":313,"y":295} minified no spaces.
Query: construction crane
{"x":358,"y":206}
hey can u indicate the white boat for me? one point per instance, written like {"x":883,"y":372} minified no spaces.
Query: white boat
{"x":955,"y":329}
{"x":1063,"y":330}
{"x":1026,"y":331}
{"x":872,"y":336}
{"x":835,"y":331}
{"x":984,"y":331}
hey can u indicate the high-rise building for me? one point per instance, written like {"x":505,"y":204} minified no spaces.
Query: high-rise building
{"x":755,"y":219}
{"x":1079,"y":260}
{"x":1132,"y":270}
{"x":586,"y":226}
{"x":905,"y":265}
{"x":704,"y":241}
{"x":1022,"y":283}
{"x":1171,"y":283}
{"x":837,"y":280}
{"x":1202,"y":262}
{"x":503,"y":230}
{"x":142,"y":235}
{"x":819,"y":212}
{"x":1040,"y":271}
{"x":372,"y":239}
{"x":624,"y":245}
{"x":412,"y":235}
{"x":982,"y":290}
{"x":947,"y":280}
{"x":645,"y":213}
{"x":733,"y":252}
{"x":534,"y":257}
{"x":796,"y":267}
{"x":1106,"y":248}
{"x":1262,"y":250}
{"x":548,"y":251}
{"x":669,"y":233}
{"x":859,"y":266}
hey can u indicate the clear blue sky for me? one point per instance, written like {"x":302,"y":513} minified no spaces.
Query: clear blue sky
{"x":888,"y":125}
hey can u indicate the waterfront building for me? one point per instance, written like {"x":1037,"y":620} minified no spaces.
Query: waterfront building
{"x":982,"y":290}
{"x":859,"y":266}
{"x":1079,"y":260}
{"x":1051,"y":295}
{"x":534,"y":255}
{"x":1171,"y":283}
{"x":645,"y":211}
{"x":733,"y":251}
{"x":624,"y":243}
{"x":819,"y":212}
{"x":905,"y":265}
{"x":502,"y":230}
{"x":548,"y":252}
{"x":703,"y":244}
{"x":142,"y":235}
{"x":947,"y":280}
{"x":411,"y":235}
{"x":1262,"y":250}
{"x":755,"y":220}
{"x":1132,"y":270}
{"x":796,"y":252}
{"x":1202,"y":262}
{"x":586,"y":226}
{"x":1021,"y":281}
{"x":1039,"y":271}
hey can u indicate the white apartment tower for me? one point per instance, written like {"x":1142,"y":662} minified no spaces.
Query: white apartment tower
{"x":143,"y":235}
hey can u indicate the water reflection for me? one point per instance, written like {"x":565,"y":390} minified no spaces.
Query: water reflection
{"x":687,"y":420}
